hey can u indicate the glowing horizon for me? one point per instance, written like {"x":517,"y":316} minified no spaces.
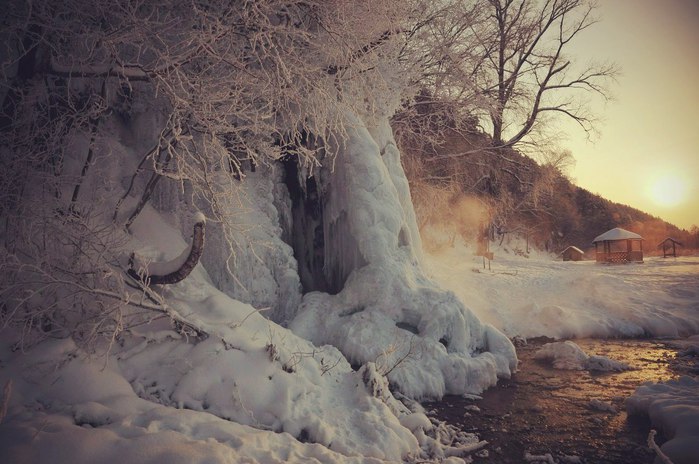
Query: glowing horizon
{"x":647,"y":153}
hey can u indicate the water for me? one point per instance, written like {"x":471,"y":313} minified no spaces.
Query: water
{"x":544,"y":410}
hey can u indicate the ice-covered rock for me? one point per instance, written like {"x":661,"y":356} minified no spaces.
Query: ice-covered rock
{"x":673,"y":408}
{"x":568,"y":355}
{"x":388,"y":311}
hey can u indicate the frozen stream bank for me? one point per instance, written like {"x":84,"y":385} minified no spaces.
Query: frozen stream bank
{"x":576,"y":416}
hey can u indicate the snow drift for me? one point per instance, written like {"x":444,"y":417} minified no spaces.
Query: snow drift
{"x":540,"y":296}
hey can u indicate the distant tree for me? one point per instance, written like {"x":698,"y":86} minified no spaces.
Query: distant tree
{"x":694,"y":235}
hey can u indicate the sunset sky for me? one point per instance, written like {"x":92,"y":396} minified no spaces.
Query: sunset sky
{"x":647,"y":152}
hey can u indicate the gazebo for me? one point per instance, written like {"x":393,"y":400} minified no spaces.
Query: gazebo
{"x":619,"y":246}
{"x":667,"y":244}
{"x":572,"y":253}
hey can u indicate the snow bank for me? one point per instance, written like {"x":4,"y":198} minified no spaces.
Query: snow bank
{"x":539,"y":296}
{"x":673,"y":408}
{"x":568,"y":355}
{"x":83,"y":411}
{"x":388,"y":311}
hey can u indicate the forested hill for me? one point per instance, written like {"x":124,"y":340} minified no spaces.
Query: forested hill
{"x":460,"y":182}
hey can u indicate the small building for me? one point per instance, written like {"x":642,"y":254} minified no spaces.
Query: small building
{"x":618,"y":246}
{"x":572,"y":253}
{"x":669,"y":248}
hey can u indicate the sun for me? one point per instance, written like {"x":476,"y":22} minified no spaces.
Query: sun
{"x":668,"y":190}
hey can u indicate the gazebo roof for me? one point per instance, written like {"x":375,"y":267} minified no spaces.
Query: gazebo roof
{"x":571,"y":247}
{"x":617,"y":234}
{"x":669,"y":239}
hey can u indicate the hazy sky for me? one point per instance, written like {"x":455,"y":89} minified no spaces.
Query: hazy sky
{"x":647,"y":154}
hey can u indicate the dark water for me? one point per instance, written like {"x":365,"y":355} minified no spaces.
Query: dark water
{"x":544,"y":410}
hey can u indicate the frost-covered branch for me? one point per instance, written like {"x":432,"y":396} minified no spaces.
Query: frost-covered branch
{"x":504,"y":64}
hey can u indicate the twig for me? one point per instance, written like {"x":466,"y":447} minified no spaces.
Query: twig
{"x":654,"y":446}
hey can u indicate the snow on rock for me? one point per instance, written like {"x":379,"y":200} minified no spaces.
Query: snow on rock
{"x":604,"y":364}
{"x":563,"y":355}
{"x":539,"y":458}
{"x":568,"y":355}
{"x":388,"y":312}
{"x":673,"y":408}
{"x":571,"y":459}
{"x":599,"y":405}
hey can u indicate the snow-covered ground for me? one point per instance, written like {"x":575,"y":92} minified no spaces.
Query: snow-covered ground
{"x":256,"y":392}
{"x":544,"y":296}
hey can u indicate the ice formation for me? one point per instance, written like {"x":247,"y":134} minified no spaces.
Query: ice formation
{"x":246,"y":381}
{"x":388,"y":311}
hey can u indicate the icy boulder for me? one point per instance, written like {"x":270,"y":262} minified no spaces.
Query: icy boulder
{"x":568,"y":355}
{"x":673,"y":407}
{"x":388,"y":312}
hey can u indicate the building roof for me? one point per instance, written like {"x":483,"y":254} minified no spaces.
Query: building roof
{"x":573,"y":248}
{"x":671,"y":240}
{"x":617,"y":234}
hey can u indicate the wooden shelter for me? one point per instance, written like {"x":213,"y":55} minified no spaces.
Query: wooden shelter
{"x":618,"y":246}
{"x":572,"y":253}
{"x":669,"y":248}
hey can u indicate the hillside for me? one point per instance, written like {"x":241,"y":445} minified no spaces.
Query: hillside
{"x":471,"y":189}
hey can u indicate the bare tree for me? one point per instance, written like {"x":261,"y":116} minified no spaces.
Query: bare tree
{"x":504,"y":64}
{"x":524,"y":72}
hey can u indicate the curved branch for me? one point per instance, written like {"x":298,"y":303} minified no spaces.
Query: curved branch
{"x":160,"y":273}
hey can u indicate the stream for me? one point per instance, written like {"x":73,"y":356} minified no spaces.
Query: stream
{"x":576,"y":416}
